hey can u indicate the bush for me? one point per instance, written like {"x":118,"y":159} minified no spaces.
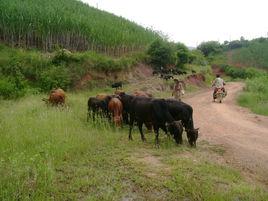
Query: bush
{"x":53,"y":77}
{"x":242,"y":73}
{"x":161,"y":54}
{"x":210,"y":48}
{"x":63,"y":56}
{"x":197,"y":57}
{"x":11,"y":87}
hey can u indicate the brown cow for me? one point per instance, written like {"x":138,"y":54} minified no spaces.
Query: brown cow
{"x":102,"y":96}
{"x":115,"y":106}
{"x":56,"y":97}
{"x":142,"y":93}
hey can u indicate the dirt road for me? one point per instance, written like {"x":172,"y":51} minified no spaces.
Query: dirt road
{"x":244,"y":135}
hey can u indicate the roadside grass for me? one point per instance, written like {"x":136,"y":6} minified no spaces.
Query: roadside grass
{"x":49,"y":153}
{"x":253,"y":101}
{"x":255,"y":95}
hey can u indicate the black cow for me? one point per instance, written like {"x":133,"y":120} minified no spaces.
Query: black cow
{"x":155,"y":111}
{"x":98,"y":107}
{"x":167,"y":77}
{"x":126,"y":100}
{"x":117,"y":85}
{"x":184,"y":112}
{"x":156,"y":72}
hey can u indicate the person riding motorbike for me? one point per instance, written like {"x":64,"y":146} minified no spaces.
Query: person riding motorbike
{"x":218,"y":83}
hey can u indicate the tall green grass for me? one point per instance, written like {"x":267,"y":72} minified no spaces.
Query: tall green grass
{"x":255,"y":95}
{"x":70,"y":24}
{"x":54,"y":154}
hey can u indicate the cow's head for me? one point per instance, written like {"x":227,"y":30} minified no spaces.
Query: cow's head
{"x":192,"y":135}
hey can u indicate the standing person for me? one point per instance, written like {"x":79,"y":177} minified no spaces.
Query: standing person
{"x":178,"y":90}
{"x":218,"y":83}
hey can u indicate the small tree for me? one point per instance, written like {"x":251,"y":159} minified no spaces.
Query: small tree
{"x":183,"y":55}
{"x":160,"y":53}
{"x":210,"y":47}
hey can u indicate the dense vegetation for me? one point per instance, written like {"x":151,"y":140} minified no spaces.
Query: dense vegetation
{"x":255,"y":94}
{"x":253,"y":53}
{"x":69,"y":24}
{"x":23,"y":71}
{"x":168,"y":54}
{"x":54,"y":154}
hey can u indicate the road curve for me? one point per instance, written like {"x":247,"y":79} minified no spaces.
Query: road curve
{"x":242,"y":133}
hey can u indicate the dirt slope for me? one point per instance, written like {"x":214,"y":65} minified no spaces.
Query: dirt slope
{"x":243,"y":134}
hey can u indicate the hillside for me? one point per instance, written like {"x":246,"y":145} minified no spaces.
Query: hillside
{"x":69,"y":24}
{"x":252,"y":53}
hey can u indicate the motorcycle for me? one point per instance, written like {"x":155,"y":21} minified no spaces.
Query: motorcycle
{"x":219,"y":95}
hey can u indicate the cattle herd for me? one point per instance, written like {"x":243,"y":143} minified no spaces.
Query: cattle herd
{"x":139,"y":108}
{"x":167,"y":74}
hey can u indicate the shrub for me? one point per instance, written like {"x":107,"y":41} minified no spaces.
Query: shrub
{"x":53,"y":77}
{"x":160,"y":53}
{"x":210,"y":48}
{"x":197,"y":57}
{"x":242,"y":73}
{"x":63,"y":56}
{"x":11,"y":87}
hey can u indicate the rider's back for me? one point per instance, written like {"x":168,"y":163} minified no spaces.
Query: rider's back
{"x":218,"y":83}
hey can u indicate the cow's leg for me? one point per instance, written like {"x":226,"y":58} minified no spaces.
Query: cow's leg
{"x":130,"y":128}
{"x":93,"y":114}
{"x":156,"y":130}
{"x":88,"y":114}
{"x":164,"y":128}
{"x":140,"y":129}
{"x":125,"y":117}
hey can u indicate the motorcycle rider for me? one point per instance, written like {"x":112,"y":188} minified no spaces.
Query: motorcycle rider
{"x":218,"y":83}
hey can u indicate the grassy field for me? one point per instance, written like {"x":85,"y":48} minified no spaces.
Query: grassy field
{"x":54,"y":154}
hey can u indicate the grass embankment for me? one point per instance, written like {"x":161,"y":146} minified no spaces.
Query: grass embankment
{"x":54,"y":154}
{"x":22,"y":70}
